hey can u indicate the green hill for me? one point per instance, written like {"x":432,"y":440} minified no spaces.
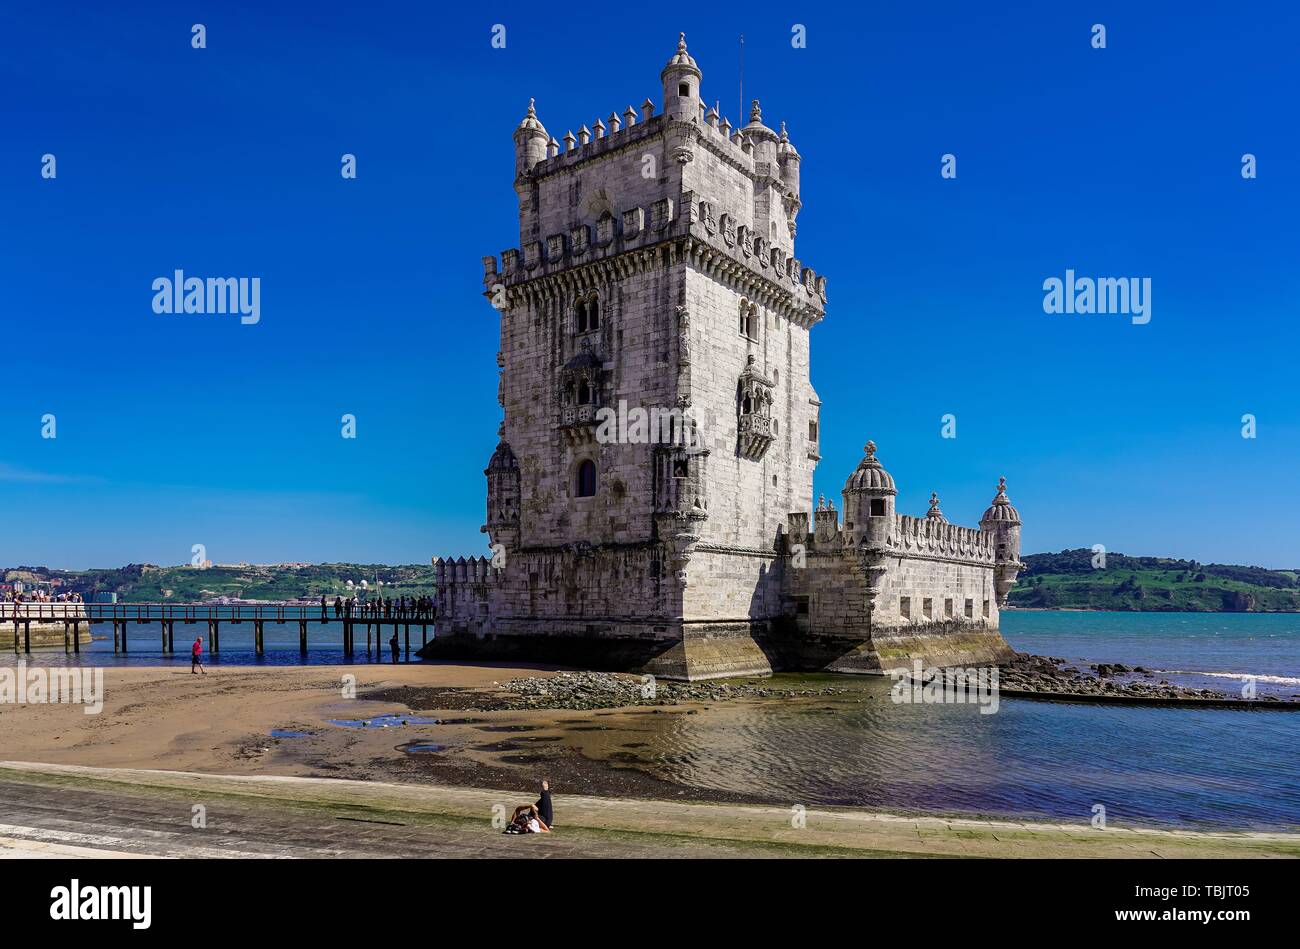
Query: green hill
{"x":1068,"y":580}
{"x":145,"y":583}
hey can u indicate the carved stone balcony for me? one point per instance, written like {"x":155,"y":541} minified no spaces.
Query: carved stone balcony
{"x":578,"y":423}
{"x":755,"y":435}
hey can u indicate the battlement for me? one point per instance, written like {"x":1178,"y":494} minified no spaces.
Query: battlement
{"x":449,"y":572}
{"x":719,"y":245}
{"x":907,"y":536}
{"x":632,"y":129}
{"x":731,"y":143}
{"x":926,"y":536}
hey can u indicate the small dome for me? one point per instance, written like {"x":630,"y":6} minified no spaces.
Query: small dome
{"x":870,"y":476}
{"x":785,"y":149}
{"x":1001,"y":511}
{"x":530,"y":122}
{"x":682,"y":59}
{"x":503,"y":459}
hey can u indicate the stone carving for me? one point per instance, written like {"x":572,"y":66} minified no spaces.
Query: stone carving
{"x":633,"y":222}
{"x":728,"y":224}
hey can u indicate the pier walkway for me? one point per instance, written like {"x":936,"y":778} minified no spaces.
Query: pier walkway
{"x":73,"y":616}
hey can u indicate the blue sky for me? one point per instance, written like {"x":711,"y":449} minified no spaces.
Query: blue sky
{"x":176,"y":430}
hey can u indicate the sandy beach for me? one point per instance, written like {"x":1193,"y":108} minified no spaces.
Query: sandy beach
{"x":165,"y":731}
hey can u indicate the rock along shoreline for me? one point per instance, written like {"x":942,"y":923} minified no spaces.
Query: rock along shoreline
{"x":1043,"y":678}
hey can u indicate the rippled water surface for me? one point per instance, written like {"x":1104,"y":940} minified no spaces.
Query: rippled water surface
{"x":1163,"y":766}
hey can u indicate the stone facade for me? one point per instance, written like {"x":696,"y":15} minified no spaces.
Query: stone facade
{"x":660,"y":425}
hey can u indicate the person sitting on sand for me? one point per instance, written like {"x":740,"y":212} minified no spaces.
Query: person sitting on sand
{"x":526,"y":821}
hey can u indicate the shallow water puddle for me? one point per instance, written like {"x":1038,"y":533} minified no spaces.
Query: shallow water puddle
{"x":391,"y":720}
{"x":421,"y":748}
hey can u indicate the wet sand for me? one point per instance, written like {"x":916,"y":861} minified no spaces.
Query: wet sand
{"x":167,"y":718}
{"x":158,"y":721}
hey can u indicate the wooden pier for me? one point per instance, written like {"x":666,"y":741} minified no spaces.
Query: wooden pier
{"x":167,"y":615}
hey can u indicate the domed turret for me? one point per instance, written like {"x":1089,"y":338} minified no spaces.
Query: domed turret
{"x":788,"y":158}
{"x":934,"y":514}
{"x":681,"y":80}
{"x":869,"y":500}
{"x":530,"y":141}
{"x":502,"y":496}
{"x":1002,"y":520}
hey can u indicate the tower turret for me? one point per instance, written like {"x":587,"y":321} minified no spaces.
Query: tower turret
{"x":764,"y":139}
{"x":788,"y":158}
{"x":869,"y":501}
{"x":530,"y":142}
{"x":1003,"y":521}
{"x":681,"y":80}
{"x":503,"y":497}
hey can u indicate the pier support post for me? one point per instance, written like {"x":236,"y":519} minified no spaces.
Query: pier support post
{"x":171,"y":635}
{"x":408,"y":640}
{"x":67,"y":646}
{"x":27,"y":636}
{"x":302,"y":636}
{"x":258,"y":643}
{"x":76,"y":636}
{"x":367,"y":640}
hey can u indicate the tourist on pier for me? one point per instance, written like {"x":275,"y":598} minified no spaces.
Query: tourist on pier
{"x":544,"y":807}
{"x":338,"y":607}
{"x":196,"y":666}
{"x":324,"y":610}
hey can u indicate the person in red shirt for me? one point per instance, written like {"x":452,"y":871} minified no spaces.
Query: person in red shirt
{"x":196,"y":666}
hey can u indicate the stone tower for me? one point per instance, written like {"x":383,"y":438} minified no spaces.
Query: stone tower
{"x":659,"y":423}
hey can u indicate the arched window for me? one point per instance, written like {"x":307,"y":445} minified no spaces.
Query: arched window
{"x":584,"y":393}
{"x":748,"y":319}
{"x":586,"y":480}
{"x":586,"y":313}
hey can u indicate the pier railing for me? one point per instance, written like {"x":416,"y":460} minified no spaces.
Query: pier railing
{"x":194,"y":612}
{"x":167,"y":615}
